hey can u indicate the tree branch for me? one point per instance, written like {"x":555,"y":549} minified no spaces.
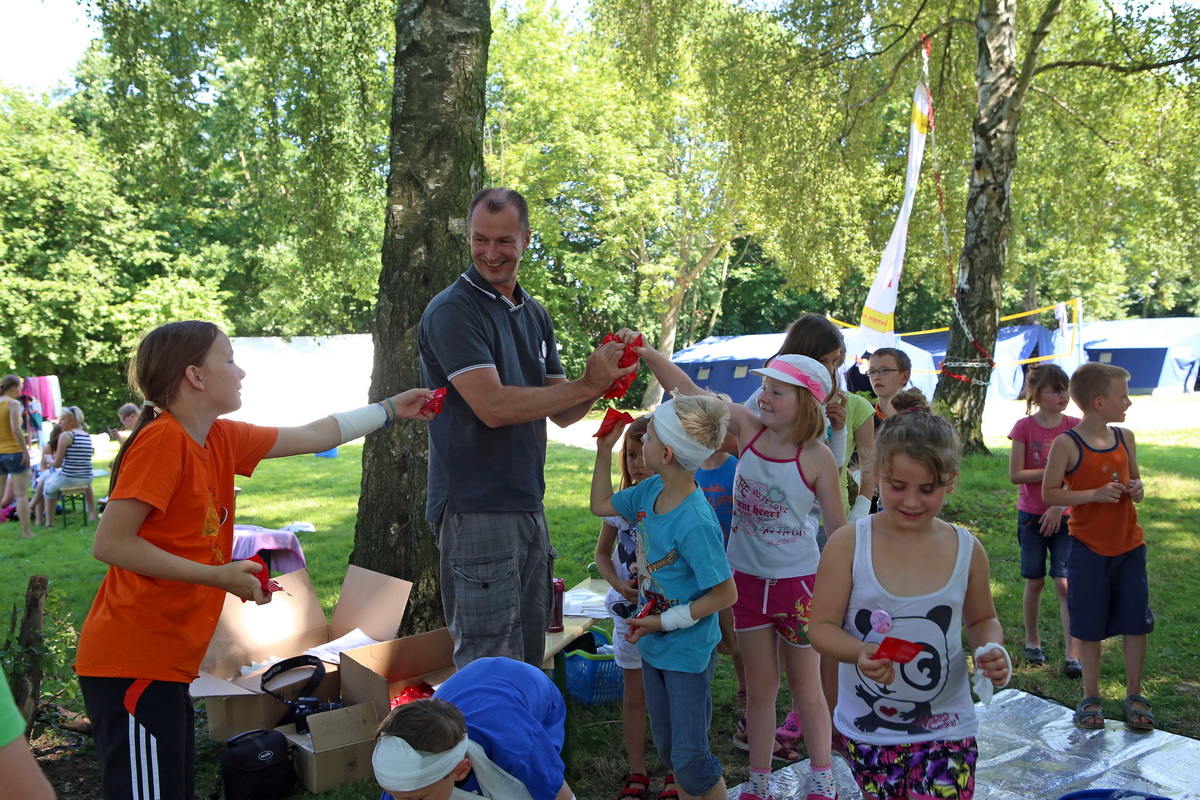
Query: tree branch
{"x":909,"y":53}
{"x":1123,"y":69}
{"x":1109,"y":143}
{"x":1052,"y":10}
{"x":744,"y":252}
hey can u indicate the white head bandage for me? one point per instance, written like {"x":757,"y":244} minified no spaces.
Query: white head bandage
{"x":400,"y":768}
{"x":688,"y":453}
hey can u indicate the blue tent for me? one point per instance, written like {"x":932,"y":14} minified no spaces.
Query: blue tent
{"x":1013,"y":343}
{"x":723,"y":363}
{"x":1162,"y":356}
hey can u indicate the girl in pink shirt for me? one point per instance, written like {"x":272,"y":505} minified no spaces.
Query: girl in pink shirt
{"x":1041,"y":528}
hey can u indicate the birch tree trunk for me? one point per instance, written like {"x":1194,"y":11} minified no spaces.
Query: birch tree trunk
{"x":989,"y":213}
{"x":436,"y":165}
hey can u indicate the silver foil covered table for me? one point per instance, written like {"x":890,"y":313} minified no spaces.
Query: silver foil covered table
{"x":1030,"y":749}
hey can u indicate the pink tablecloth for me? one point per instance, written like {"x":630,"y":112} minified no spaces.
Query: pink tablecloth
{"x":282,"y":547}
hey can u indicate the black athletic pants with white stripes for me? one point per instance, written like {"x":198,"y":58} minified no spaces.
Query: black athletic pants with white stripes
{"x":145,"y":737}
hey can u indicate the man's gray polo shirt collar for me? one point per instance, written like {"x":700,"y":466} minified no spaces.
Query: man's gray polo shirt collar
{"x":476,"y":281}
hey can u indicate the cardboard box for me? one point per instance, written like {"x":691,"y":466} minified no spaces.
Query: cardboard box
{"x":377,"y":673}
{"x":337,"y":749}
{"x":287,"y":626}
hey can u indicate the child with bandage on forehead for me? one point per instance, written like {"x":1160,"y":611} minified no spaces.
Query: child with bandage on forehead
{"x":683,"y":578}
{"x":494,"y":728}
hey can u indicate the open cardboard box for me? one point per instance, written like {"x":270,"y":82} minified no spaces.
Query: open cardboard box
{"x":337,"y":749}
{"x":287,"y":626}
{"x":377,"y":673}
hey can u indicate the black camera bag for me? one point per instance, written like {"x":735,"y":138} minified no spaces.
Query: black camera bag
{"x":257,"y":765}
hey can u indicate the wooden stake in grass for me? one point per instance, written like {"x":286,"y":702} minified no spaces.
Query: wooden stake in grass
{"x":27,"y":682}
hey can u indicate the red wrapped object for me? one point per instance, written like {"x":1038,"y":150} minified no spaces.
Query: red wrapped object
{"x":417,"y":692}
{"x":897,"y":650}
{"x":434,"y":403}
{"x":655,"y":604}
{"x":621,"y":385}
{"x":611,"y":418}
{"x":264,"y":576}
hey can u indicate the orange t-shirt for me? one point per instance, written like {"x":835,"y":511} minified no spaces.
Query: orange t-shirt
{"x":142,"y":627}
{"x":1109,"y":529}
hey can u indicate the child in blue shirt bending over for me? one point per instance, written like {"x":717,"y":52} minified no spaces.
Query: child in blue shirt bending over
{"x":683,"y":581}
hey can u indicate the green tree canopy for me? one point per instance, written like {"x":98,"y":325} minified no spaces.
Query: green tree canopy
{"x":80,"y":269}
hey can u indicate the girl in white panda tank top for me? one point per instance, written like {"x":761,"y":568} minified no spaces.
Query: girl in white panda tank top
{"x":908,"y":728}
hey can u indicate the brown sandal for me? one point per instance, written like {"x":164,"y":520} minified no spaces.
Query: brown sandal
{"x":783,"y":752}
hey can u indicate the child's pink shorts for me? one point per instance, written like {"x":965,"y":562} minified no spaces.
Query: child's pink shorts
{"x":782,"y":603}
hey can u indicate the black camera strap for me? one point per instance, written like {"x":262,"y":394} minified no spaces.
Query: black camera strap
{"x":295,"y":662}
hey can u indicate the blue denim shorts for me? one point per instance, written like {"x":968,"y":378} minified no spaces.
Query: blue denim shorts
{"x":1035,"y":547}
{"x":12,"y":463}
{"x":680,"y":706}
{"x":1108,"y":595}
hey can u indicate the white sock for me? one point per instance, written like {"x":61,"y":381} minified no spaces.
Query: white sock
{"x":760,"y":780}
{"x":822,"y":782}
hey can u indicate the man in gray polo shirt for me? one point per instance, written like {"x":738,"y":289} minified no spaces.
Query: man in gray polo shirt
{"x":492,"y":346}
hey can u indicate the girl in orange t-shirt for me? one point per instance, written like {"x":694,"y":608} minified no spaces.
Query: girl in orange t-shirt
{"x":166,"y":534}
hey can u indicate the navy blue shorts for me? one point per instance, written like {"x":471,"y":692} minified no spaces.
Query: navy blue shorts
{"x":1035,"y":547}
{"x":12,"y":463}
{"x":1107,"y":595}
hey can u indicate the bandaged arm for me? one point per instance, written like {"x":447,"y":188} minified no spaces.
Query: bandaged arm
{"x":331,"y":431}
{"x":685,"y":615}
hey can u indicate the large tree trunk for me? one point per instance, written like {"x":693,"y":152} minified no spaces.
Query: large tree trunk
{"x":989,"y":214}
{"x":436,"y":165}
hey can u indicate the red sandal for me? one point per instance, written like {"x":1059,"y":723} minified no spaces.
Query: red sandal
{"x":673,"y":792}
{"x":628,"y":792}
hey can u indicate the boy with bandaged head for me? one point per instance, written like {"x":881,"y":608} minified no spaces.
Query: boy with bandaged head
{"x":494,"y":729}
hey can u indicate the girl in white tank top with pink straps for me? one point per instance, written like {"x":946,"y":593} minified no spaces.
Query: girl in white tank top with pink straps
{"x":773,"y":551}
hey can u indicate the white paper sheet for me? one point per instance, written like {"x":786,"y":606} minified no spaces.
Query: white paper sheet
{"x":584,"y":603}
{"x":331,"y":652}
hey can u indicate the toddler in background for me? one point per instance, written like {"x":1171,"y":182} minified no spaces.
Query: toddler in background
{"x":715,"y":477}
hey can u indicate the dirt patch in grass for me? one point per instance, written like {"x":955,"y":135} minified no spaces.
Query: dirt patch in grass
{"x":69,"y":762}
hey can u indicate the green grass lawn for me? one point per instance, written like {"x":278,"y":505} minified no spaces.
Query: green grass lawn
{"x":325,"y":493}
